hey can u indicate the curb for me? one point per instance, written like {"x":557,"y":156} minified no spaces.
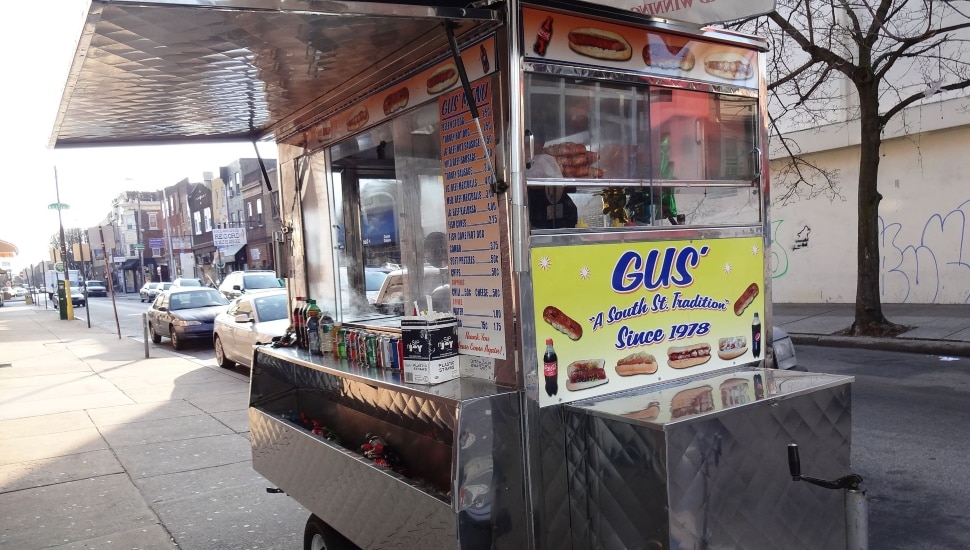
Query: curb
{"x":907,"y":345}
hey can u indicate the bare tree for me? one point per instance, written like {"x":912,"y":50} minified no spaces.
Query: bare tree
{"x":877,"y":56}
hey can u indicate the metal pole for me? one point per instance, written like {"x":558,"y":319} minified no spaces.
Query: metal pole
{"x":68,"y":312}
{"x":144,"y":327}
{"x":856,"y":520}
{"x":87,"y":296}
{"x":111,"y":283}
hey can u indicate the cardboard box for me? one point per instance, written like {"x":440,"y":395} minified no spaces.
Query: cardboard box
{"x":430,"y":349}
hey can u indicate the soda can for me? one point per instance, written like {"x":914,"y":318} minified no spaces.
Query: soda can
{"x":342,"y":343}
{"x":352,"y":345}
{"x":394,"y":352}
{"x":362,"y":347}
{"x":371,"y":344}
{"x":384,"y":357}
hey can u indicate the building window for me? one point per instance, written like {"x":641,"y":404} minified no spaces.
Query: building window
{"x":197,"y":222}
{"x":156,"y":252}
{"x":249,"y":214}
{"x":259,"y":211}
{"x":237,"y":182}
{"x":153,"y":220}
{"x":208,"y":219}
{"x":239,"y":217}
{"x":130,"y":222}
{"x":131,"y":250}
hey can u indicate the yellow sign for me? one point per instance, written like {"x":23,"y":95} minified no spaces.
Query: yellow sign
{"x":623,"y":315}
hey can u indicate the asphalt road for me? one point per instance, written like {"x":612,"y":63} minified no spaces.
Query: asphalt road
{"x":910,"y":416}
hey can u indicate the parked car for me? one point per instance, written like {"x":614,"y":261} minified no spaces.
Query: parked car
{"x":95,"y":288}
{"x":148,"y":291}
{"x":77,"y":298}
{"x":186,"y":281}
{"x":162,"y":287}
{"x":184,"y":314}
{"x":251,"y":319}
{"x":239,"y":282}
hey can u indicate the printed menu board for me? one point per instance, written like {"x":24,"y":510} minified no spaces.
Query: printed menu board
{"x":573,"y":39}
{"x":472,"y":222}
{"x":624,"y":315}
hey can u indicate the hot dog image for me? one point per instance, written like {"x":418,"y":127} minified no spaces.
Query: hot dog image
{"x":731,"y":66}
{"x":582,"y":375}
{"x":650,"y":413}
{"x":684,"y":357}
{"x":599,"y":43}
{"x":668,"y":52}
{"x":734,"y":391}
{"x":562,"y":322}
{"x":396,"y":100}
{"x":692,"y":401}
{"x":443,"y":78}
{"x":732,"y":347}
{"x":636,"y":363}
{"x":574,"y":160}
{"x":358,"y":120}
{"x":746,"y":299}
{"x":323,"y":131}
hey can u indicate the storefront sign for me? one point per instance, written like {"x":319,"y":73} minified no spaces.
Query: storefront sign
{"x":580,"y":41}
{"x":626,"y":315}
{"x":472,"y":221}
{"x":234,"y":236}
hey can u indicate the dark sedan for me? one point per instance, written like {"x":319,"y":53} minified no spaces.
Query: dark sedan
{"x":184,"y":314}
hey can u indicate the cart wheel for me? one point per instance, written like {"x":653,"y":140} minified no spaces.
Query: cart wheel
{"x":221,"y":359}
{"x":320,"y":536}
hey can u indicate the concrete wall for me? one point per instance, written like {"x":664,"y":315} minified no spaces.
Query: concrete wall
{"x":924,"y":226}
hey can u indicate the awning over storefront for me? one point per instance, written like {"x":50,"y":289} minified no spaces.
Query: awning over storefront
{"x":229,"y":253}
{"x":151,"y":72}
{"x":130,"y":265}
{"x":8,"y":250}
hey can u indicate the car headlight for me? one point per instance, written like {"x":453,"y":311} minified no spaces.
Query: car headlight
{"x":181,"y":323}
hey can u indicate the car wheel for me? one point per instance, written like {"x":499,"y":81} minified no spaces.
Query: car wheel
{"x":176,"y":341}
{"x":156,"y":337}
{"x":317,"y":535}
{"x":221,"y":359}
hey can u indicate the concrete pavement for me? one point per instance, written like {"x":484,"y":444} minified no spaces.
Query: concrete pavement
{"x":103,"y":448}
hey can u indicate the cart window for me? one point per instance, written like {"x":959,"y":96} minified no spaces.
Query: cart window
{"x":390,"y":219}
{"x":626,"y":154}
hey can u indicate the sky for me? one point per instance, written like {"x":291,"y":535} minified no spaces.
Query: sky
{"x":38,"y":45}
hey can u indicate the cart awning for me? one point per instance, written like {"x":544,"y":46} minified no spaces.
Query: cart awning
{"x":184,"y":70}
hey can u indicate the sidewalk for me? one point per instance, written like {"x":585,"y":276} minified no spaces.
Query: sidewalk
{"x":103,"y":448}
{"x":936,"y":329}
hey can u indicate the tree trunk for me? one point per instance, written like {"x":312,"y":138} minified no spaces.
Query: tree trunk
{"x":869,"y":319}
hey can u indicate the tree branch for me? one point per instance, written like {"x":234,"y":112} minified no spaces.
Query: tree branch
{"x":888,"y":115}
{"x":816,"y":52}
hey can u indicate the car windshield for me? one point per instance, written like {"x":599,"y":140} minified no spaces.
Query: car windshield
{"x":271,"y":308}
{"x":190,"y":282}
{"x":262,"y":280}
{"x":196,"y":299}
{"x":374,"y":280}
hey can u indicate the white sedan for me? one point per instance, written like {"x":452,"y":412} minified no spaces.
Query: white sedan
{"x":251,"y":319}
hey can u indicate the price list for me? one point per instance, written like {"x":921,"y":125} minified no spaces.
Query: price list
{"x":472,"y":221}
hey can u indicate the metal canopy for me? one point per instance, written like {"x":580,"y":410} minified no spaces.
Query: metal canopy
{"x":183,"y":70}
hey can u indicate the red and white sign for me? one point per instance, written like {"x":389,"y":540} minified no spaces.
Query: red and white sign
{"x":700,"y":12}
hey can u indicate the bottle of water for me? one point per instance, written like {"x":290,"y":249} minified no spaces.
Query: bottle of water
{"x":326,"y":334}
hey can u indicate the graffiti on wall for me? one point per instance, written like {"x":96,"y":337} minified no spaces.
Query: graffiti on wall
{"x":801,"y":240}
{"x":778,"y":253}
{"x":932,"y":268}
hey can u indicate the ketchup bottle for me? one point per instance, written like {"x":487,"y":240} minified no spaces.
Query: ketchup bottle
{"x":550,"y":368}
{"x":543,"y":37}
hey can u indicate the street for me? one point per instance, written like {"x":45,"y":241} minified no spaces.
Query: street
{"x":909,"y":444}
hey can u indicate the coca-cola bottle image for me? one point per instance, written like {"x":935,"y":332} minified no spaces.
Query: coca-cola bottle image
{"x":756,"y":336}
{"x":550,"y":368}
{"x":483,"y":54}
{"x":543,"y":37}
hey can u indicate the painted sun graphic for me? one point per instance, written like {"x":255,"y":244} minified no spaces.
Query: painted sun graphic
{"x":584,"y":273}
{"x":545,"y":262}
{"x":754,"y":250}
{"x":728,"y":268}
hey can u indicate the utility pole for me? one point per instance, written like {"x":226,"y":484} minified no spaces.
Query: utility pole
{"x":67,"y":312}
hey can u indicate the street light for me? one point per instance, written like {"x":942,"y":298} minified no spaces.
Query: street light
{"x":66,"y":311}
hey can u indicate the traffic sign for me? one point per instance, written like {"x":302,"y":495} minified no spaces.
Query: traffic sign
{"x":59,"y":267}
{"x":139,"y":246}
{"x":57,"y":206}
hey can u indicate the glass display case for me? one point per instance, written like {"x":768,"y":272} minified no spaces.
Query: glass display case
{"x":616,"y":153}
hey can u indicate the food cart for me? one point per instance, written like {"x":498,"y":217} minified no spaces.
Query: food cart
{"x":568,"y":204}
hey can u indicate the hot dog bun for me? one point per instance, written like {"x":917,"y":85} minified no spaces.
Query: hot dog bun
{"x":443,"y":78}
{"x":746,"y":298}
{"x":650,"y":413}
{"x":684,"y":357}
{"x":562,"y":322}
{"x":729,"y":65}
{"x":732,"y":347}
{"x":585,"y":374}
{"x":358,"y":120}
{"x":692,"y":401}
{"x":396,"y":100}
{"x":636,"y":363}
{"x":599,"y":43}
{"x":668,"y":52}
